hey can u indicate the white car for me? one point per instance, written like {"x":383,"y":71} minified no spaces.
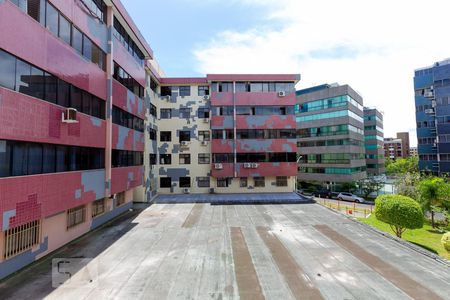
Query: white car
{"x":350,"y":197}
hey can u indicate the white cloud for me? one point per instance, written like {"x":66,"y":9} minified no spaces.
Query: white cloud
{"x":372,"y":45}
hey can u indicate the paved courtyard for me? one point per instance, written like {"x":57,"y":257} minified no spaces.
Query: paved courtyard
{"x":203,"y":251}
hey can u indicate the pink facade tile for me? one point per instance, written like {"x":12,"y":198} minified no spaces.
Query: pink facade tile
{"x":266,"y":122}
{"x":270,"y":98}
{"x":221,"y":99}
{"x":266,"y":145}
{"x":28,"y":119}
{"x":222,"y":146}
{"x":226,"y":171}
{"x":126,"y":100}
{"x":123,"y":179}
{"x":49,"y":52}
{"x":128,"y":63}
{"x":268,"y":169}
{"x":127,"y":139}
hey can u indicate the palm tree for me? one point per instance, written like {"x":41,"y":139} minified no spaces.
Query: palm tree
{"x":433,"y":192}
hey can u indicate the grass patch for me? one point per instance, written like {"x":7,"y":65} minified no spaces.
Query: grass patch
{"x":424,"y":237}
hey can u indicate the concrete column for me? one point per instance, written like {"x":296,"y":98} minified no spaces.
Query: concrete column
{"x":109,"y":100}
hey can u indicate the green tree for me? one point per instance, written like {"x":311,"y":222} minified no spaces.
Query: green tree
{"x":369,"y":186}
{"x":402,"y":166}
{"x":446,"y":241}
{"x":433,"y":192}
{"x":407,"y":185}
{"x":400,"y":212}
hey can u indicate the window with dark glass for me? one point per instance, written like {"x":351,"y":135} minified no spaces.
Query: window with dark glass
{"x":185,"y":159}
{"x":203,"y":113}
{"x":184,"y":91}
{"x":62,"y":159}
{"x":204,"y":158}
{"x":64,"y":29}
{"x":153,"y":111}
{"x":203,"y":182}
{"x":123,"y":158}
{"x":5,"y":156}
{"x":281,"y":181}
{"x":19,"y":159}
{"x":87,"y":47}
{"x":7,"y":70}
{"x":52,"y":19}
{"x":165,"y":136}
{"x":223,"y":158}
{"x":34,"y":159}
{"x":204,"y":135}
{"x":153,"y":85}
{"x":152,"y":159}
{"x":185,"y":113}
{"x":37,"y":83}
{"x":77,"y":40}
{"x":223,"y":182}
{"x":165,"y":182}
{"x":23,"y":75}
{"x":259,"y":181}
{"x":51,"y":87}
{"x":185,"y":182}
{"x":63,"y":93}
{"x":165,"y":159}
{"x":203,"y":90}
{"x":185,"y":136}
{"x":152,"y":134}
{"x":165,"y":113}
{"x":243,"y":182}
{"x":166,"y":91}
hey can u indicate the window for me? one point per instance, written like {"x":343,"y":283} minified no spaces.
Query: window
{"x":165,"y":136}
{"x":203,"y":113}
{"x":204,"y":135}
{"x":185,"y":159}
{"x":76,"y":216}
{"x":125,"y":119}
{"x":51,"y":87}
{"x":122,"y":36}
{"x":120,"y":199}
{"x":152,"y":134}
{"x":203,"y":90}
{"x":184,"y":91}
{"x":34,"y":159}
{"x":7,"y":70}
{"x":87,"y":47}
{"x":96,"y":7}
{"x":153,"y":111}
{"x":5,"y":155}
{"x":21,"y":238}
{"x":185,"y":136}
{"x":52,"y":19}
{"x":223,"y":182}
{"x":152,"y":159}
{"x":185,"y":182}
{"x":259,"y":181}
{"x":19,"y":159}
{"x":282,"y":181}
{"x":243,"y":182}
{"x":165,"y":113}
{"x":165,"y":182}
{"x":123,"y":158}
{"x":185,"y":113}
{"x":77,"y":40}
{"x":166,"y":91}
{"x":204,"y":158}
{"x":223,"y":158}
{"x":203,"y":182}
{"x":23,"y":75}
{"x":37,"y":83}
{"x":64,"y":94}
{"x":98,"y":207}
{"x":126,"y":80}
{"x":224,"y":87}
{"x":165,"y":159}
{"x":64,"y":29}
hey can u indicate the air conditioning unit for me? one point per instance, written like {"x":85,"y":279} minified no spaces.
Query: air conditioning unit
{"x":184,"y":143}
{"x":206,"y":97}
{"x":247,"y":166}
{"x":205,"y":143}
{"x":255,"y":166}
{"x":428,"y":94}
{"x":433,"y":103}
{"x":281,"y":94}
{"x":167,"y":98}
{"x":206,"y":120}
{"x":186,"y":191}
{"x":69,"y":116}
{"x":429,"y":111}
{"x":218,"y":166}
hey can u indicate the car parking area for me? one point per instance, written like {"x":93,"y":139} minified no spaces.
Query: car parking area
{"x":204,"y":251}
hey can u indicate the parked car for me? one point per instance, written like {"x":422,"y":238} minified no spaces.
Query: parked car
{"x":324,"y":193}
{"x":350,"y":197}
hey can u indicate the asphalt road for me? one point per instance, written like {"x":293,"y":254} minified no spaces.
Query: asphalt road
{"x":203,"y":251}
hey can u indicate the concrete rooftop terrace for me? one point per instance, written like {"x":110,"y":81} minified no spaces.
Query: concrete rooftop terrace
{"x":203,"y":251}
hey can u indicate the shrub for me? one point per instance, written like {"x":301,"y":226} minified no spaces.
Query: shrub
{"x":400,"y":212}
{"x":446,"y":241}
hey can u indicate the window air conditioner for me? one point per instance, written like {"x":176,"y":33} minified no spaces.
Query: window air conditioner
{"x":69,"y":116}
{"x":247,"y":166}
{"x":218,"y":166}
{"x":186,"y":191}
{"x":206,"y":120}
{"x":281,"y":94}
{"x":204,"y":143}
{"x":255,"y":166}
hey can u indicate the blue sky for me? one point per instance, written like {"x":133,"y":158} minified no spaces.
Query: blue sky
{"x":374,"y":46}
{"x":176,"y":28}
